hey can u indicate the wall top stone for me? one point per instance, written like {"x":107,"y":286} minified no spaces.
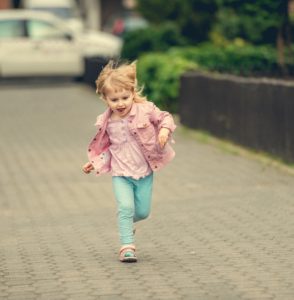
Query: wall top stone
{"x":240,"y":79}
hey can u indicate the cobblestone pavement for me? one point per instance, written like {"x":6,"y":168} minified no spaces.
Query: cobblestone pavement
{"x":222,"y":226}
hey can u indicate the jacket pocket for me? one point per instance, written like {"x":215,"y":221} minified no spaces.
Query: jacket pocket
{"x":146,"y":131}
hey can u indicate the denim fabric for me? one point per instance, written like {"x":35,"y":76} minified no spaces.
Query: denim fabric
{"x":133,"y":197}
{"x":144,"y":122}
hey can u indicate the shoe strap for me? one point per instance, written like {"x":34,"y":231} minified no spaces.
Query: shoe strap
{"x":125,"y":248}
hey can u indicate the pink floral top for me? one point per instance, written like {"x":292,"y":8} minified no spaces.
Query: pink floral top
{"x":126,"y":157}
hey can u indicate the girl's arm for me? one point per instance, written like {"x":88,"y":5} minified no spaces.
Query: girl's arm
{"x":164,"y":122}
{"x":162,"y":119}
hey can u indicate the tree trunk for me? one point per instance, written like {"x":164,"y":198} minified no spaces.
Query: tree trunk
{"x":281,"y":48}
{"x":283,"y":37}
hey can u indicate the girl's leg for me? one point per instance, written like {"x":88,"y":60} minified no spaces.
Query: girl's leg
{"x":143,"y":194}
{"x":124,"y":194}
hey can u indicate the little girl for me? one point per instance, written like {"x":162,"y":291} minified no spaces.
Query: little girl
{"x":131,"y":143}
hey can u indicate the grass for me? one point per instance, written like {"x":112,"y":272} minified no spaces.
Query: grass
{"x":266,"y":159}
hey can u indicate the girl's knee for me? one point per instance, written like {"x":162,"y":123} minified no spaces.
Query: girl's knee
{"x":141,"y":215}
{"x":126,"y":210}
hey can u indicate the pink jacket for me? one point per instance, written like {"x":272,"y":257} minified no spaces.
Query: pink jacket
{"x":144,"y":122}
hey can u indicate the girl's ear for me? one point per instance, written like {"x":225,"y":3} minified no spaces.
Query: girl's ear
{"x":103,"y":98}
{"x":133,"y":94}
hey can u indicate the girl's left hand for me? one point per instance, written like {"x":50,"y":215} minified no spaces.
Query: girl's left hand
{"x":163,"y":136}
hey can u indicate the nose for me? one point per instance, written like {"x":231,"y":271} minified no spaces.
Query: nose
{"x":120,"y":103}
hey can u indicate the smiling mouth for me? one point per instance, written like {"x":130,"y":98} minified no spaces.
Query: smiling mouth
{"x":121,"y":109}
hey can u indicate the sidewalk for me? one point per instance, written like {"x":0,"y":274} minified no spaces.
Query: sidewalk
{"x":222,"y":226}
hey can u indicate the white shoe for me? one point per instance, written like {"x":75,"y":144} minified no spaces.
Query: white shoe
{"x":127,"y":254}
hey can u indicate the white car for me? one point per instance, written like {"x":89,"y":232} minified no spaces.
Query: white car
{"x":38,"y":43}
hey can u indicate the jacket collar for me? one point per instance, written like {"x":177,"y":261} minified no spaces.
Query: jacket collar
{"x":133,"y":109}
{"x":101,"y":119}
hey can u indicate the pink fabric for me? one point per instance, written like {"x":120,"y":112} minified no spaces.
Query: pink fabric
{"x":144,"y":122}
{"x":127,"y":158}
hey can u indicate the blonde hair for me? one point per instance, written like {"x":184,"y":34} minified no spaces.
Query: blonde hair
{"x":114,"y":77}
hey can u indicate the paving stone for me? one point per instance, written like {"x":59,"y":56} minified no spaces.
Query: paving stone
{"x":21,"y":295}
{"x":221,"y":226}
{"x":111,"y":297}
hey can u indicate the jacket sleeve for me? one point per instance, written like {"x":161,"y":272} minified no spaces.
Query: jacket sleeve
{"x":162,"y":118}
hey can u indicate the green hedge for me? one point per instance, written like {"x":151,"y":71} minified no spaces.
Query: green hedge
{"x":243,"y":60}
{"x":152,"y":38}
{"x":160,"y":74}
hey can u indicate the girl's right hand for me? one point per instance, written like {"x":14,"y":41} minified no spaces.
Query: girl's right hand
{"x":88,"y":167}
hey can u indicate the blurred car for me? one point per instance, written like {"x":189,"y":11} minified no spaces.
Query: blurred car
{"x":64,"y":9}
{"x":120,"y":24}
{"x":38,"y":43}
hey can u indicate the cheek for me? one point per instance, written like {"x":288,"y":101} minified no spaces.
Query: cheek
{"x":111,"y":104}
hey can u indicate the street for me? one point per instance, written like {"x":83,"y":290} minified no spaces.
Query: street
{"x":221,"y":227}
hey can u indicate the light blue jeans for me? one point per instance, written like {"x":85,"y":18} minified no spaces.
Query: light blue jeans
{"x":133,"y":199}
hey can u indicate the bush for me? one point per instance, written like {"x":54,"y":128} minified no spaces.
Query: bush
{"x":193,"y":18}
{"x":160,"y":73}
{"x":152,"y":38}
{"x":257,"y":22}
{"x":245,"y":60}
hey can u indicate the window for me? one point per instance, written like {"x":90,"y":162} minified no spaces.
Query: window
{"x":11,"y":29}
{"x":43,"y":30}
{"x":61,"y":12}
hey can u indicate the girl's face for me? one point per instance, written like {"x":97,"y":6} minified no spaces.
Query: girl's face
{"x":120,"y":102}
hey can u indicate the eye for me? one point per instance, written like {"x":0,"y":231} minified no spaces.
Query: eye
{"x":113,"y":100}
{"x":125,"y":97}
